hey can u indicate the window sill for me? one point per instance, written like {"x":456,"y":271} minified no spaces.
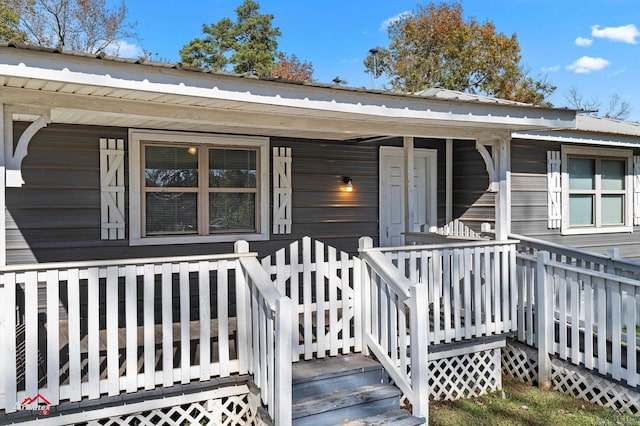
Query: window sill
{"x":588,"y":231}
{"x":196,"y":239}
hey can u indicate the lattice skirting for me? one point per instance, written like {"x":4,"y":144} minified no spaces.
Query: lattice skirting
{"x":465,"y":376}
{"x":228,"y":405}
{"x":233,"y":410}
{"x":520,"y":361}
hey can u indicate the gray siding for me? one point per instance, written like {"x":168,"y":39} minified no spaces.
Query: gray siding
{"x":529,"y":203}
{"x":471,"y":202}
{"x":55,"y":216}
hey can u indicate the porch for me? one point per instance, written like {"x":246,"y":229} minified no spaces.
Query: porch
{"x":232,"y":319}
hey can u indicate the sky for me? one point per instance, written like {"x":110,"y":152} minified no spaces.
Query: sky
{"x":590,"y":45}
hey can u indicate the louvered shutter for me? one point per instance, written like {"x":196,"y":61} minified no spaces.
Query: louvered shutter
{"x":554,"y":190}
{"x":112,"y":189}
{"x":281,"y":190}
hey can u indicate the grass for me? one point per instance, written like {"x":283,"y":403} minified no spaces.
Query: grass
{"x":525,"y":405}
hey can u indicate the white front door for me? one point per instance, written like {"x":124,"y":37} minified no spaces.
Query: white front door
{"x":392,"y":193}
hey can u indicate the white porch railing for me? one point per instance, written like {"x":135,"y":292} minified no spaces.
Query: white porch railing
{"x":395,"y":313}
{"x":83,"y":330}
{"x":324,"y":286}
{"x":580,"y":307}
{"x":417,"y":296}
{"x":471,"y":286}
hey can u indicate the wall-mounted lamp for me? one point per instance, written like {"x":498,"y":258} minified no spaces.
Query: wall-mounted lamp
{"x":192,"y":150}
{"x":349,"y":182}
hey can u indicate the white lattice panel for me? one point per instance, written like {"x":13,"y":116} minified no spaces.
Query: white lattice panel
{"x":582,"y":384}
{"x":234,"y":410}
{"x":465,"y":376}
{"x":520,"y":362}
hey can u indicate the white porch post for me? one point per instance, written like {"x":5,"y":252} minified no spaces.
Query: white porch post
{"x":409,"y":184}
{"x":6,"y":137}
{"x":449,"y":182}
{"x":498,"y":162}
{"x":503,"y":196}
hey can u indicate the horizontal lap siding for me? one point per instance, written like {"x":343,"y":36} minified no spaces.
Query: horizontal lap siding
{"x":529,"y":203}
{"x":55,"y":216}
{"x":472,"y":204}
{"x":320,"y":207}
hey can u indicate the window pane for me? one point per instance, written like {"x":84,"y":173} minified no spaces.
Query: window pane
{"x":580,"y":210}
{"x":171,"y":213}
{"x":612,"y":209}
{"x":581,"y":173}
{"x":167,"y":166}
{"x":232,"y":211}
{"x":613,"y":172}
{"x":232,"y":168}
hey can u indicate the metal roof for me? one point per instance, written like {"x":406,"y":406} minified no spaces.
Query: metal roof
{"x":99,"y":89}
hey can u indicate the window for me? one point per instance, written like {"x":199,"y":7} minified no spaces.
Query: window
{"x":596,"y":189}
{"x":197,"y":188}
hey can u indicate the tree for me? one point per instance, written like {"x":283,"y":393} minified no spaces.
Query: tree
{"x":10,"y":25}
{"x":79,"y":25}
{"x":248,"y":45}
{"x":617,"y":109}
{"x":436,"y":47}
{"x":290,"y":68}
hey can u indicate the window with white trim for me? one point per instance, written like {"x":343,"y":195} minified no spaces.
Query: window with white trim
{"x":597,"y":194}
{"x":189,"y":187}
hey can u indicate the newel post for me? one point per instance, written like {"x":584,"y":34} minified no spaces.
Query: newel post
{"x":243,"y":309}
{"x":419,"y":338}
{"x":365,"y":297}
{"x":544,"y":320}
{"x":283,"y":374}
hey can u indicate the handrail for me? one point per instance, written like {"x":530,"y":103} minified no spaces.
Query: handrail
{"x":123,"y":262}
{"x":585,"y":255}
{"x":388,"y":272}
{"x":270,"y":335}
{"x":451,"y":245}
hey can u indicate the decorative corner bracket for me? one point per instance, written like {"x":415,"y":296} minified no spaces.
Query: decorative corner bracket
{"x":15,"y":155}
{"x":490,"y":163}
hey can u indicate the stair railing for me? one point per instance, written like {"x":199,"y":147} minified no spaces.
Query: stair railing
{"x":267,"y":336}
{"x":395,"y":316}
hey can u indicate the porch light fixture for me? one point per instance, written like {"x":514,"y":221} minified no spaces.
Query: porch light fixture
{"x":349,"y":182}
{"x":192,"y":150}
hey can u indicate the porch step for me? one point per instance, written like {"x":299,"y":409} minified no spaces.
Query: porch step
{"x":346,"y":389}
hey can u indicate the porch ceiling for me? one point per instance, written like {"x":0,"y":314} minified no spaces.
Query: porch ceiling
{"x":84,"y":90}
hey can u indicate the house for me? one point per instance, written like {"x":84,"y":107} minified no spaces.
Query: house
{"x":557,"y":207}
{"x":138,"y":198}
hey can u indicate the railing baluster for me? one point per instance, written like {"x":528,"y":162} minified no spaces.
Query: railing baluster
{"x":31,"y":333}
{"x":8,"y":331}
{"x":113,"y":358}
{"x":93,"y":331}
{"x":167,"y":324}
{"x":204,"y":290}
{"x":53,"y":337}
{"x":223,"y":319}
{"x":149,"y":327}
{"x":73,"y":291}
{"x":131,"y":327}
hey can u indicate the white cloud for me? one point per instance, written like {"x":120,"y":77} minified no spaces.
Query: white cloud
{"x":551,"y":69}
{"x":581,"y":41}
{"x":385,"y":24}
{"x":124,"y":49}
{"x":625,"y":33}
{"x":586,"y":64}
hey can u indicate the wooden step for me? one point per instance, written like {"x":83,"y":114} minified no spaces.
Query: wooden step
{"x":321,"y":376}
{"x":397,"y":417}
{"x":343,"y":404}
